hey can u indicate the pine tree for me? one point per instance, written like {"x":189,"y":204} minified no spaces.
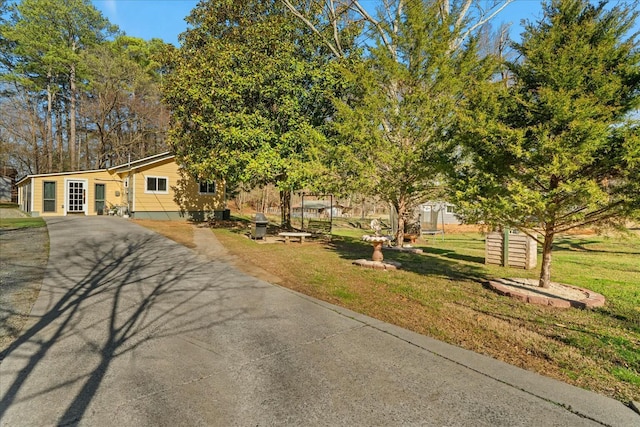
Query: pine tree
{"x":559,"y":148}
{"x":396,"y":133}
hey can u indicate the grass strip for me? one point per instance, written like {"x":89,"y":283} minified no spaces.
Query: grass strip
{"x":17,"y":223}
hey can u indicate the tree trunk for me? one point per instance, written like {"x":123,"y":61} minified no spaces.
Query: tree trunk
{"x":285,"y":209}
{"x":72,"y":118}
{"x":59,"y":137}
{"x":49,"y":125}
{"x":87,"y":150}
{"x":102,"y":155}
{"x":401,"y":209}
{"x":239,"y":199}
{"x":34,"y":139}
{"x":264,"y":198}
{"x":545,"y":271}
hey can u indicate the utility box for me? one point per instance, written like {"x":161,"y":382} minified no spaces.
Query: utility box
{"x":511,"y":250}
{"x":259,"y":228}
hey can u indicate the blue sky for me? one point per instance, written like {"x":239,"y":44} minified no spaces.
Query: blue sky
{"x":164,"y":19}
{"x":147,"y":19}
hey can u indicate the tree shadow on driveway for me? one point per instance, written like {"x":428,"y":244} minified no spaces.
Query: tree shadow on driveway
{"x":103,"y":298}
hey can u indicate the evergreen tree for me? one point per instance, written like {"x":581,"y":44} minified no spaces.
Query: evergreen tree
{"x":393,"y":124}
{"x":559,"y":147}
{"x":47,"y":39}
{"x":394,"y":130}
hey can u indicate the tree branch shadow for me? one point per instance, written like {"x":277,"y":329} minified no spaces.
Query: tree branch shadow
{"x":431,"y":262}
{"x":121,"y":295}
{"x":575,"y":245}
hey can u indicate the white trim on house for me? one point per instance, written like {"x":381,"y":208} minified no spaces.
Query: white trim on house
{"x":143,"y":162}
{"x":42,"y":175}
{"x":85,"y":186}
{"x":131,"y":195}
{"x":146,"y":183}
{"x":32,"y":195}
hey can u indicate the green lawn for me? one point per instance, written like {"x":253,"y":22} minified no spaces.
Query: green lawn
{"x":441,"y":294}
{"x":21,"y":222}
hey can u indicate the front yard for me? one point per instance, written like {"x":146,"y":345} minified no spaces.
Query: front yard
{"x":441,"y":294}
{"x":24,"y":250}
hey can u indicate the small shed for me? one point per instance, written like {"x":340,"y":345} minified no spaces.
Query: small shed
{"x":434,"y":212}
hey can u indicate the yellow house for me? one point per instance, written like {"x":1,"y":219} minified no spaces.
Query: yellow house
{"x":151,"y":188}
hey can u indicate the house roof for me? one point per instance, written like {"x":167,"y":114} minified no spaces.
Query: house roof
{"x":40,"y":175}
{"x":120,"y":168}
{"x":142,"y":162}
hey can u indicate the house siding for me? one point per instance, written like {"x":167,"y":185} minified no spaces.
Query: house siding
{"x":89,"y":179}
{"x":181,"y":200}
{"x":154,"y":202}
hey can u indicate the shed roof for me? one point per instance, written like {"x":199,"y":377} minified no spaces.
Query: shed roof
{"x":317,"y":204}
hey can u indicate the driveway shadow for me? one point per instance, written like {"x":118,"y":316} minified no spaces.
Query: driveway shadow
{"x":115,"y":295}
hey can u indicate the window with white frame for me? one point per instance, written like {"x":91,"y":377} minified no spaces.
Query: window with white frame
{"x":207,"y":188}
{"x":451,"y":209}
{"x":157,"y":185}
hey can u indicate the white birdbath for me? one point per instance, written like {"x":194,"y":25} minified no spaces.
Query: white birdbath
{"x":377,"y":242}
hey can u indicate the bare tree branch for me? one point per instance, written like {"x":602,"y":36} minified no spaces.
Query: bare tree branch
{"x":480,"y":22}
{"x":389,"y":26}
{"x":334,"y":23}
{"x":378,"y":26}
{"x":334,"y":49}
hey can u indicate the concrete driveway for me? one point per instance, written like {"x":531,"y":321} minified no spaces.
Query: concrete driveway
{"x":132,"y":329}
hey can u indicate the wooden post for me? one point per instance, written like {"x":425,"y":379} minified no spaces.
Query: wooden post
{"x":505,"y":248}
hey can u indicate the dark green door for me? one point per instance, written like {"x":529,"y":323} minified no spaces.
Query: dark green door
{"x":100,"y":193}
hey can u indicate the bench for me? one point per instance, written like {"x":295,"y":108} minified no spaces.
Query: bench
{"x":289,"y":234}
{"x":319,"y":227}
{"x":433,"y":233}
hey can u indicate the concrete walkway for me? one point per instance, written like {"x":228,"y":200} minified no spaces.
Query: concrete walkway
{"x":132,"y":329}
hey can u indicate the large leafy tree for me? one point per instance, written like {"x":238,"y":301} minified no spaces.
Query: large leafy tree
{"x":392,"y":128}
{"x":241,"y":92}
{"x":558,"y":147}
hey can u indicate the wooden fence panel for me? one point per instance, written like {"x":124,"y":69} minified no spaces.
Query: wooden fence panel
{"x":522,"y":251}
